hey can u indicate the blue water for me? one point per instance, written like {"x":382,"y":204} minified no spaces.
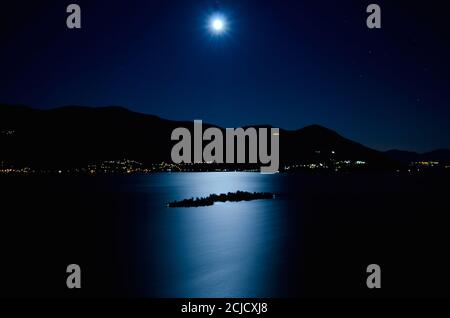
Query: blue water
{"x":315,"y":239}
{"x":212,"y":251}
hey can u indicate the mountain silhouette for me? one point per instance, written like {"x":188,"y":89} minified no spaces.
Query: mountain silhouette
{"x":406,"y":157}
{"x":71,"y":136}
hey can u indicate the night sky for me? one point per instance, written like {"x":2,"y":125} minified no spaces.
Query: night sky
{"x":287,"y":63}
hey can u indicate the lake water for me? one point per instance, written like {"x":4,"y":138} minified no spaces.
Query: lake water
{"x":315,"y":239}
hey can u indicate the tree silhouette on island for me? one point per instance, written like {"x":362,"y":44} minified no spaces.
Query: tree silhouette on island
{"x":212,"y":198}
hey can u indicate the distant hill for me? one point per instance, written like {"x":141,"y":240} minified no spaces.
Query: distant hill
{"x":316,"y":143}
{"x":403,"y":156}
{"x":74,"y":135}
{"x":406,"y":157}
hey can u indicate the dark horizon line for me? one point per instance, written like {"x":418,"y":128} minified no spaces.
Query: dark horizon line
{"x":123,"y":108}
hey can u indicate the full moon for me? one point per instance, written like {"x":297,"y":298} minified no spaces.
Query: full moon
{"x":217,"y":24}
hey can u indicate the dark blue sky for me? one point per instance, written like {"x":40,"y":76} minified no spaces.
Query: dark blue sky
{"x":287,"y":63}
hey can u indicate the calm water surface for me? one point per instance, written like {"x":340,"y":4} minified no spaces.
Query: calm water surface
{"x":314,"y":240}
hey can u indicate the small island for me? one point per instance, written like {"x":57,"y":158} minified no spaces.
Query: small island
{"x":224,"y":197}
